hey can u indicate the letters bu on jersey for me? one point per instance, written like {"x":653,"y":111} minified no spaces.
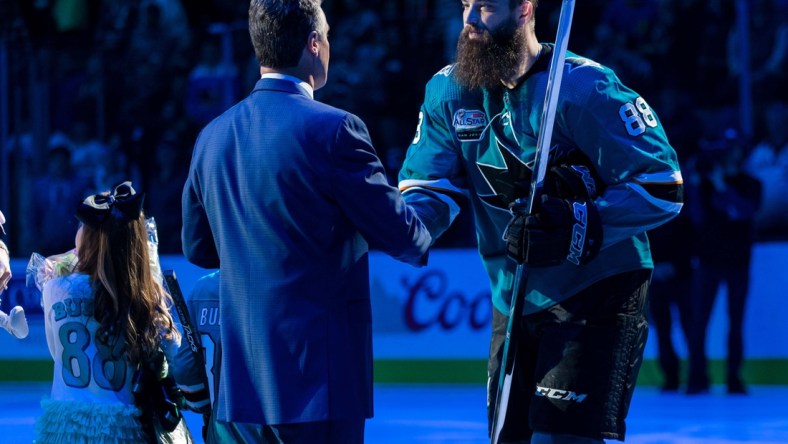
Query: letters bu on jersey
{"x":469,"y":124}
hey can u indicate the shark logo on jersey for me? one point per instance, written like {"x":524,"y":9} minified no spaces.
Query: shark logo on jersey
{"x":469,"y":125}
{"x":508,"y":183}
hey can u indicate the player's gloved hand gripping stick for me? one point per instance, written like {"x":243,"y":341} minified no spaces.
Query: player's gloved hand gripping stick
{"x":564,"y":224}
{"x":537,"y":180}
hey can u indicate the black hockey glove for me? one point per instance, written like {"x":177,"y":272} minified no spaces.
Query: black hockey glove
{"x":571,"y":182}
{"x":566,"y":224}
{"x":560,"y":229}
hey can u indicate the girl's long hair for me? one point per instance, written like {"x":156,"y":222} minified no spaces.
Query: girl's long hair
{"x":128,"y":302}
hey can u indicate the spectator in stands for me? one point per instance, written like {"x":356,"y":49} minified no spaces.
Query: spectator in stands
{"x":164,"y":205}
{"x":767,"y":46}
{"x":212,"y":86}
{"x":56,"y":193}
{"x":88,"y":152}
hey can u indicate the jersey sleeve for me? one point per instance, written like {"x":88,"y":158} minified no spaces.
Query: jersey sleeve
{"x":622,"y":135}
{"x":433,"y":178}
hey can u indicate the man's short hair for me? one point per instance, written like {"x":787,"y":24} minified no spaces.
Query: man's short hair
{"x":279,"y":29}
{"x":513,"y":3}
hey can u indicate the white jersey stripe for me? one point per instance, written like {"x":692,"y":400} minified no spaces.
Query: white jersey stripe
{"x":662,"y":177}
{"x":439,"y":185}
{"x":671,"y":207}
{"x":437,"y":188}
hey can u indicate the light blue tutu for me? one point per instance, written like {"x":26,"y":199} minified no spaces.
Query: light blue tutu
{"x":74,"y":422}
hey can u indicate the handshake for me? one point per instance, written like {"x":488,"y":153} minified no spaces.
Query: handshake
{"x":564,"y":225}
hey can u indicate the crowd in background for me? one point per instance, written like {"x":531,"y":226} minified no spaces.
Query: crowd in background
{"x":97,"y":91}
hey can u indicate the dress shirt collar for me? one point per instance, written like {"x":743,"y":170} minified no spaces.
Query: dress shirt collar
{"x":300,"y":84}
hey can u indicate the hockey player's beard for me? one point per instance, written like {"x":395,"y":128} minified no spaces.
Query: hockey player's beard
{"x":483,"y":63}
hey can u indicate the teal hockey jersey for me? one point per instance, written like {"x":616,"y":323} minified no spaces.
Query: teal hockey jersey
{"x":475,"y":145}
{"x":203,"y":306}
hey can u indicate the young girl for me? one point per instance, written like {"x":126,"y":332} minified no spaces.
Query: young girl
{"x":103,"y":323}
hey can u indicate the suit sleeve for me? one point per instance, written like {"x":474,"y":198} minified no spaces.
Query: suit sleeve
{"x":375,"y":208}
{"x":196,"y":236}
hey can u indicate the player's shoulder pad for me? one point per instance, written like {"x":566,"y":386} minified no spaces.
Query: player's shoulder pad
{"x":446,"y":70}
{"x":443,"y":79}
{"x":206,"y":287}
{"x":586,"y":75}
{"x":577,"y":65}
{"x":443,"y":86}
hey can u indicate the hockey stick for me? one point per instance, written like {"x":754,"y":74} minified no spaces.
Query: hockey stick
{"x":554,"y":77}
{"x":190,"y":333}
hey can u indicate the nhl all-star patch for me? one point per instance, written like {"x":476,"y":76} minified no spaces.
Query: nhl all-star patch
{"x":469,"y":125}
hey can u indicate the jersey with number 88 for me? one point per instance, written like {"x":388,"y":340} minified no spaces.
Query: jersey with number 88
{"x":637,"y":116}
{"x":85,"y":369}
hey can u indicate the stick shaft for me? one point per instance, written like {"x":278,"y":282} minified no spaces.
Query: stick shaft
{"x":190,"y":332}
{"x":555,"y":76}
{"x":554,"y":79}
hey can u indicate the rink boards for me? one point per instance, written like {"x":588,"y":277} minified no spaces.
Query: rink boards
{"x":432,"y":324}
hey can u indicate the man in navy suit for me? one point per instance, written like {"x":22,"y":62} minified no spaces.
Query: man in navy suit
{"x":285,"y":196}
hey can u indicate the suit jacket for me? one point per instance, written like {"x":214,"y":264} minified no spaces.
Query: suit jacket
{"x":284,"y":195}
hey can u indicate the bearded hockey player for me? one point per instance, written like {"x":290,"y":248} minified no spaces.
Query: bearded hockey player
{"x":612,"y":176}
